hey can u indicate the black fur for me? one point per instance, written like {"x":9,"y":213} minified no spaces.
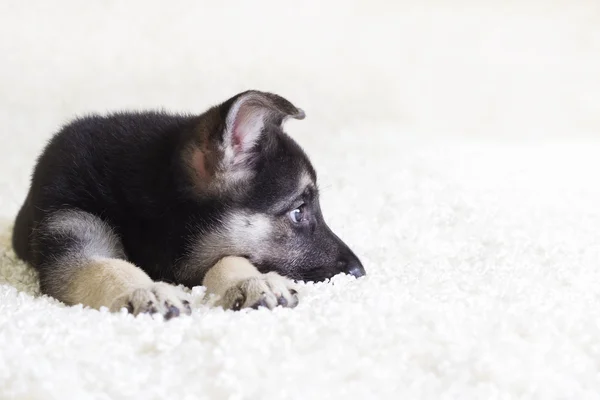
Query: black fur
{"x":123,"y":168}
{"x":130,"y":170}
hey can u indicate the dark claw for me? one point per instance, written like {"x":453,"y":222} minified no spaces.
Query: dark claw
{"x":172,"y":312}
{"x":282,"y":301}
{"x":293,"y":292}
{"x":188,"y":308}
{"x":130,"y":307}
{"x":261,"y":303}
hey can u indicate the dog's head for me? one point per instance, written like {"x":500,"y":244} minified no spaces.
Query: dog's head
{"x":242,"y":158}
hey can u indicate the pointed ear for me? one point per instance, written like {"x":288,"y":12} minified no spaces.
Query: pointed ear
{"x":248,"y":114}
{"x":218,"y":151}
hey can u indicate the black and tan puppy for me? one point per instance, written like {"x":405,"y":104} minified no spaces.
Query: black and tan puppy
{"x":120,"y":206}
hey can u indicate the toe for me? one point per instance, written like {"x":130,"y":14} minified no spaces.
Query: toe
{"x":146,"y":308}
{"x":141,"y":301}
{"x":289,"y":298}
{"x":293,"y":299}
{"x":267,"y":300}
{"x":283,"y":289}
{"x":172,"y":311}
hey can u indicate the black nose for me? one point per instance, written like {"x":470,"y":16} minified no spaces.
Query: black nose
{"x":353,"y":267}
{"x":356,"y":269}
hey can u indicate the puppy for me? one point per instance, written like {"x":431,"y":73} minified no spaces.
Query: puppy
{"x":123,"y":206}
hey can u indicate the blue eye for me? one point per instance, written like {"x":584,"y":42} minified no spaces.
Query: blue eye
{"x":298,"y":215}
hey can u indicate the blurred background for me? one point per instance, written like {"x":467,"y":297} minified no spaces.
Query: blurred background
{"x":457,"y":146}
{"x":506,"y":70}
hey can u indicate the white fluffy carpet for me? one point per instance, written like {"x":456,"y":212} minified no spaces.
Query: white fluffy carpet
{"x":457,"y":147}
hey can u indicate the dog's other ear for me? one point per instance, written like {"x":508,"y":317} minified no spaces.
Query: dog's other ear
{"x":247,"y":115}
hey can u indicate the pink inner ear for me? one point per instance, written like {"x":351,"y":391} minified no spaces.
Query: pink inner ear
{"x":246,"y":128}
{"x":236,"y":139}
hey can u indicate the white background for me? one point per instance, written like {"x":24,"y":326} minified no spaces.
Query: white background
{"x":457,"y":149}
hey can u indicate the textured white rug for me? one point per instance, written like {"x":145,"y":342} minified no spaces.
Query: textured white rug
{"x":459,"y":156}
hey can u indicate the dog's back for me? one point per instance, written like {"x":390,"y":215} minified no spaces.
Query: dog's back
{"x":117,"y":167}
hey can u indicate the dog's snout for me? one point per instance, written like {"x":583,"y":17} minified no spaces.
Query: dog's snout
{"x":353,"y":267}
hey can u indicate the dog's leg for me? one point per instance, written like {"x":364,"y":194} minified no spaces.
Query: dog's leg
{"x":239,"y":285}
{"x":82,"y":261}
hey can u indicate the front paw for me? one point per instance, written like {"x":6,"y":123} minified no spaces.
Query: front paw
{"x":157,"y":298}
{"x":267,"y":290}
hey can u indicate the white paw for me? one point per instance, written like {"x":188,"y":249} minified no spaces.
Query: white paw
{"x":267,"y":290}
{"x":157,"y":298}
